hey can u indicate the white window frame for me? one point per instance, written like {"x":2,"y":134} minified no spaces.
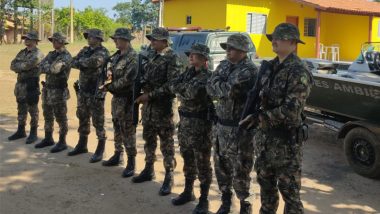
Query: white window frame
{"x":305,"y":31}
{"x":256,"y":23}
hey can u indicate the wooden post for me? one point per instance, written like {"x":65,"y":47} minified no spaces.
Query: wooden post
{"x":318,"y":32}
{"x":370,"y":29}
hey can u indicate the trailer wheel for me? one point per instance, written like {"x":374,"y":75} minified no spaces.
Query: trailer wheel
{"x":362,"y":150}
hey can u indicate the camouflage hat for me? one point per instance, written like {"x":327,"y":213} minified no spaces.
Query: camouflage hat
{"x":159,"y":34}
{"x":59,"y":37}
{"x":237,"y":41}
{"x":123,"y":33}
{"x":199,"y":49}
{"x":94,"y":33}
{"x":33,"y":35}
{"x":285,"y":31}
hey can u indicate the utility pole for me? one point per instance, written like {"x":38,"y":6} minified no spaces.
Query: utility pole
{"x":71,"y":21}
{"x":161,"y":14}
{"x":52,"y":17}
{"x":40,"y":33}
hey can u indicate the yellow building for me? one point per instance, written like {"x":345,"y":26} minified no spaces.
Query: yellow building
{"x":345,"y":23}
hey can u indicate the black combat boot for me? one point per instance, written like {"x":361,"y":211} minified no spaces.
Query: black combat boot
{"x":115,"y":160}
{"x":81,"y":147}
{"x":98,"y":155}
{"x":20,"y":133}
{"x":32,"y":135}
{"x":61,"y":145}
{"x":245,"y":207}
{"x":202,"y":206}
{"x":130,"y":168}
{"x":187,"y":195}
{"x":47,"y":141}
{"x":146,"y":175}
{"x":226,"y":203}
{"x":166,"y":187}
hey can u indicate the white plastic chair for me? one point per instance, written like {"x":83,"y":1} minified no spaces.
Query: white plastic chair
{"x":335,"y":52}
{"x":322,"y":51}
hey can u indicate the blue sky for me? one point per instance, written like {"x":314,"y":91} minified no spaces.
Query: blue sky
{"x":81,"y":4}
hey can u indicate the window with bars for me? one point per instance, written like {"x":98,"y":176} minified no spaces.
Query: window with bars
{"x":256,"y":23}
{"x":310,"y":27}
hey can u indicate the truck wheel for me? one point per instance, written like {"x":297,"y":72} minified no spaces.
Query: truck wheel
{"x":362,"y":150}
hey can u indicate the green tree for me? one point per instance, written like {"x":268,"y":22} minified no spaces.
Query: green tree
{"x":86,"y":19}
{"x":136,"y":13}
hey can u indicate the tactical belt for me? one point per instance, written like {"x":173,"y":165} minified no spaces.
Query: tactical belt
{"x":282,"y":132}
{"x":227,"y":122}
{"x":199,"y":115}
{"x":30,"y":79}
{"x":56,"y":86}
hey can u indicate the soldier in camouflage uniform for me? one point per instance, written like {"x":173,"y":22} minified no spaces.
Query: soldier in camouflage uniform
{"x":284,"y":87}
{"x":233,"y":156}
{"x":27,"y":89}
{"x":123,"y":72}
{"x":194,"y":131}
{"x":56,"y":65}
{"x":90,"y":61}
{"x":157,"y":113}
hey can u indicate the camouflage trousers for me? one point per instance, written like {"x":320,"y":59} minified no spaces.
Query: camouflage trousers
{"x":57,"y":110}
{"x":194,"y":136}
{"x":22,"y":113}
{"x":87,"y":108}
{"x":278,"y":167}
{"x":165,"y":130}
{"x":124,"y":130}
{"x":27,"y":101}
{"x":233,"y":160}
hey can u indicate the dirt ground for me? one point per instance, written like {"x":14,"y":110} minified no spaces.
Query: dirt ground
{"x":36,"y":181}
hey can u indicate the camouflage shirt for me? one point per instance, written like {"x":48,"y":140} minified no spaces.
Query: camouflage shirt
{"x":229,"y":85}
{"x":124,"y":72}
{"x":160,"y":69}
{"x":26,"y":63}
{"x":56,"y":65}
{"x":90,"y":62}
{"x":285,"y":88}
{"x":190,"y":88}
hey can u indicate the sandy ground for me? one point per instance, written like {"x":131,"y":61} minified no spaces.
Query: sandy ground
{"x":36,"y":181}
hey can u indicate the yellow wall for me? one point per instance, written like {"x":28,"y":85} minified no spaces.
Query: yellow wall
{"x":210,"y":14}
{"x":348,"y":31}
{"x":375,"y":29}
{"x":276,"y":11}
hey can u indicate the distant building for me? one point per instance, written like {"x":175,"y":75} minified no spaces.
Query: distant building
{"x":347,"y":23}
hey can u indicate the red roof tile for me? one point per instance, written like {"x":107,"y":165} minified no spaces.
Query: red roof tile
{"x":356,"y":7}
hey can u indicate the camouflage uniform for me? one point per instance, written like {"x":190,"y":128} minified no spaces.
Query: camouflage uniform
{"x":27,"y":89}
{"x":157,"y":112}
{"x":285,"y":87}
{"x":233,"y":156}
{"x":124,"y":72}
{"x":90,"y":61}
{"x":194,"y":130}
{"x":56,"y":65}
{"x":194,"y":134}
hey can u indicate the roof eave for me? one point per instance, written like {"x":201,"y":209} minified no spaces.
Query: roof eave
{"x":336,"y":10}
